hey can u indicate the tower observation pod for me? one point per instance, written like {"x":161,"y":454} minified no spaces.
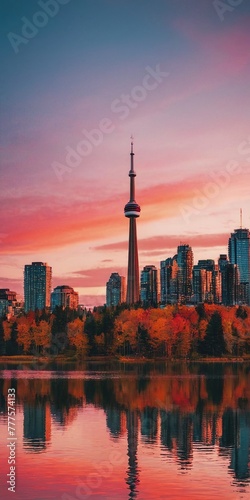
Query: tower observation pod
{"x":132,"y":211}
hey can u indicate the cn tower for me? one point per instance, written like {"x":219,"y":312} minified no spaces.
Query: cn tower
{"x":132,"y":211}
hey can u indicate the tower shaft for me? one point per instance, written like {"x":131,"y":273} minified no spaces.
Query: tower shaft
{"x":133,"y":292}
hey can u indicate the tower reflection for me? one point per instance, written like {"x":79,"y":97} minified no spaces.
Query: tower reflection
{"x":133,"y":471}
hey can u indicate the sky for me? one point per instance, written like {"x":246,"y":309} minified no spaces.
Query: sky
{"x":78,"y":78}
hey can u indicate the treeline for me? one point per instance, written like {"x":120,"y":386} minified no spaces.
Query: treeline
{"x":173,"y":332}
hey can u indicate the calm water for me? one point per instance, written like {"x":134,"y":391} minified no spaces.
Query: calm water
{"x":128,"y":432}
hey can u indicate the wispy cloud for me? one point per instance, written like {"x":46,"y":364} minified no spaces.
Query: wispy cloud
{"x":96,"y":277}
{"x":170,"y":242}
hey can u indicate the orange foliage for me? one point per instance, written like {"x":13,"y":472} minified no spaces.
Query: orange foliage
{"x":7,"y":328}
{"x":42,"y":334}
{"x":76,"y":335}
{"x":25,"y":333}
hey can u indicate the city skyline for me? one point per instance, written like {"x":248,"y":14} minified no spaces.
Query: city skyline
{"x":176,"y":280}
{"x":170,"y":260}
{"x":176,"y":76}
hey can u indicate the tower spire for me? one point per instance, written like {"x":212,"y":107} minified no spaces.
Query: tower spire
{"x":241,"y":218}
{"x":132,"y":144}
{"x":132,"y":211}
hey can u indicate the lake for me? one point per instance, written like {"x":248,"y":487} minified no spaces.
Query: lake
{"x":119,"y":431}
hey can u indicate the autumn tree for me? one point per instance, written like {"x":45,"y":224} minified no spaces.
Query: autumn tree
{"x":182,"y":338}
{"x":245,"y":336}
{"x":157,"y":330}
{"x":228,"y":318}
{"x":100,"y":344}
{"x":126,"y":331}
{"x":91,"y":329}
{"x":7,"y":329}
{"x":24,"y":333}
{"x":160,"y":331}
{"x":77,"y":337}
{"x":42,"y":336}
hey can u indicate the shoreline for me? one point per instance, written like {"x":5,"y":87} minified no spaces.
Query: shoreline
{"x":128,"y":360}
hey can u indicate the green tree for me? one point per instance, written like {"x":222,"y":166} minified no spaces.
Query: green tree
{"x":241,"y":312}
{"x":91,"y":329}
{"x":214,"y":343}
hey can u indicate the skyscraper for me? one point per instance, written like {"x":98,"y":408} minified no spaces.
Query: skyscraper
{"x":239,"y":253}
{"x":223,"y":263}
{"x":229,"y":281}
{"x":168,"y":276}
{"x":37,"y":285}
{"x":217,"y":286}
{"x":132,"y":211}
{"x":185,"y":268}
{"x":206,"y":282}
{"x":149,"y":286}
{"x":115,"y":290}
{"x":199,"y":284}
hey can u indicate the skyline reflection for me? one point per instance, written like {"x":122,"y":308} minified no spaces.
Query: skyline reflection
{"x":175,"y":414}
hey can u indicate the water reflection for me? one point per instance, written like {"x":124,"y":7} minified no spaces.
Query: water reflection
{"x":37,"y":426}
{"x":132,"y":472}
{"x":174,"y":410}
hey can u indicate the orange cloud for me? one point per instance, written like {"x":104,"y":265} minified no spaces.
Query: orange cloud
{"x":89,"y":277}
{"x":34,"y":223}
{"x":170,"y":242}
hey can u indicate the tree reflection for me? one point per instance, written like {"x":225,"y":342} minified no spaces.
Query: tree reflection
{"x":176,"y":409}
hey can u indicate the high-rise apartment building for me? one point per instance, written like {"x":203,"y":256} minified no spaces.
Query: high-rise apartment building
{"x":239,"y":253}
{"x":168,"y":279}
{"x":229,"y":281}
{"x":37,"y":286}
{"x":223,"y":263}
{"x":185,"y":268}
{"x":232,"y":278}
{"x":217,"y":285}
{"x":149,"y":286}
{"x":199,"y":284}
{"x":8,"y":302}
{"x":64,"y":296}
{"x":206,"y":282}
{"x":115,"y":290}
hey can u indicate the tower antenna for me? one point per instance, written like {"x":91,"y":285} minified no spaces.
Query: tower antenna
{"x":241,"y":218}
